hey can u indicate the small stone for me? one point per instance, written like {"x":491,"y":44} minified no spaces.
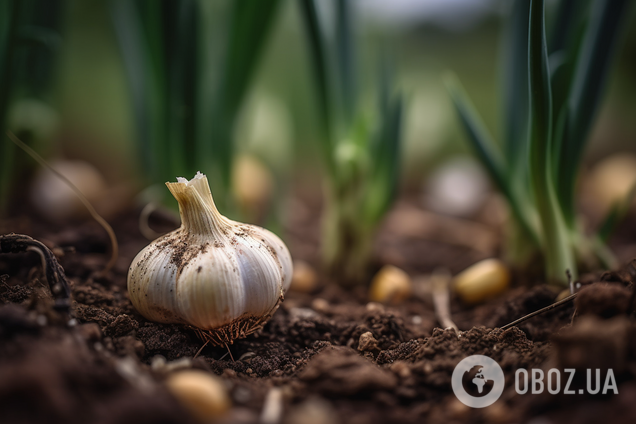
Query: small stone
{"x":367,"y":342}
{"x":121,"y":326}
{"x":229,"y":373}
{"x":374,"y":306}
{"x":401,"y":368}
{"x":157,"y":362}
{"x":320,"y":305}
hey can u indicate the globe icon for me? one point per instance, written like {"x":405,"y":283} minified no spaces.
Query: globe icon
{"x":476,"y":382}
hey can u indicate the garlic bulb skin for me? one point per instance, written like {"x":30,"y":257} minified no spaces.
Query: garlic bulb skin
{"x":222,"y":277}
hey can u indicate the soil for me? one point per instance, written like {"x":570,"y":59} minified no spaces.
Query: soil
{"x":335,"y":357}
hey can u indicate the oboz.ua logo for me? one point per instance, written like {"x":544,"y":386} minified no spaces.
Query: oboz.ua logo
{"x":478,"y":381}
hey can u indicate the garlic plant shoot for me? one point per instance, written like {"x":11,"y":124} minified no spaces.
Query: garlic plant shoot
{"x":360,"y":147}
{"x":553,"y":89}
{"x":190,"y":66}
{"x":219,"y":276}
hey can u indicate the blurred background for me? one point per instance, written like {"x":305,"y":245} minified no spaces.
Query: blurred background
{"x":86,"y":109}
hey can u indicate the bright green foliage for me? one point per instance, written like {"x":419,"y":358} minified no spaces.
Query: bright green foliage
{"x":29,"y":41}
{"x":360,"y":151}
{"x":551,"y":95}
{"x":189,"y":65}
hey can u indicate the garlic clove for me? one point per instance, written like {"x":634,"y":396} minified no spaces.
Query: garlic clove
{"x":390,"y":285}
{"x":482,"y":281}
{"x":201,"y":393}
{"x":55,"y":199}
{"x":206,"y":305}
{"x":252,"y":184}
{"x":219,"y":276}
{"x":251,"y":258}
{"x":305,"y":279}
{"x":281,"y":253}
{"x":458,"y":188}
{"x":611,"y":180}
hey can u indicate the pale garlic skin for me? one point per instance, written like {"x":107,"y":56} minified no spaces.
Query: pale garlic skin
{"x":222,"y":277}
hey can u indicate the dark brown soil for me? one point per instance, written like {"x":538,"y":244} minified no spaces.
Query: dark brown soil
{"x":336,"y":357}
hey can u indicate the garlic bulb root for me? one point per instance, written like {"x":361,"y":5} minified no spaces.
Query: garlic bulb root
{"x":223,"y":278}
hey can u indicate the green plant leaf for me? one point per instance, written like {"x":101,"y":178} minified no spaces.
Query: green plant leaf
{"x":485,"y":147}
{"x":385,"y":172}
{"x":29,"y":41}
{"x":8,"y":32}
{"x":322,"y":83}
{"x":345,"y":61}
{"x":590,"y":74}
{"x":560,"y":74}
{"x":148,"y":97}
{"x":181,"y":32}
{"x":562,"y":61}
{"x":491,"y":158}
{"x":557,"y":250}
{"x":250,"y":25}
{"x":565,"y":26}
{"x":515,"y":89}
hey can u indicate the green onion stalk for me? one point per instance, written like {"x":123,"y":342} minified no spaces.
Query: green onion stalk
{"x":29,"y":43}
{"x":552,"y":89}
{"x":190,"y":65}
{"x":359,"y":147}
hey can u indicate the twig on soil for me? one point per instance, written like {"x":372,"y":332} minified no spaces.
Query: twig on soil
{"x":272,"y":407}
{"x":440,"y":280}
{"x":572,"y":291}
{"x":40,"y":254}
{"x":540,"y":311}
{"x":97,"y":217}
{"x":201,"y":348}
{"x":53,"y":271}
{"x":144,"y":217}
{"x":228,"y":351}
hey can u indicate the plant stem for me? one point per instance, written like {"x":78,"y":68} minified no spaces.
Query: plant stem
{"x":347,"y":241}
{"x":557,"y":249}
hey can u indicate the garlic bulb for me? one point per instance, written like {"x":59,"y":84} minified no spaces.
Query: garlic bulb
{"x":219,"y":276}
